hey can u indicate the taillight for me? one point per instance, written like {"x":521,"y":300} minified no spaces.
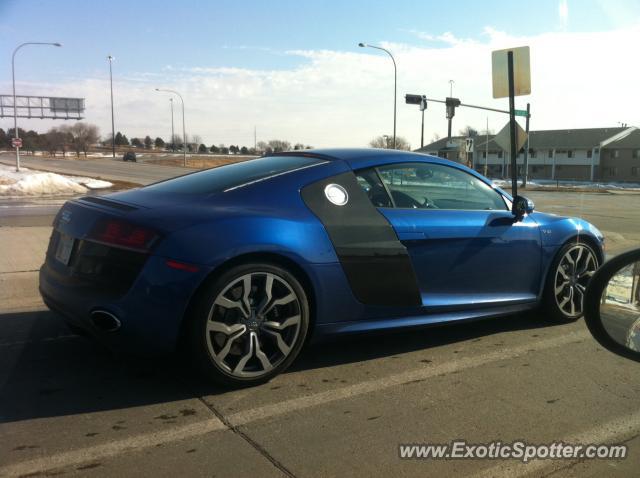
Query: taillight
{"x":181,"y":266}
{"x":114,"y":232}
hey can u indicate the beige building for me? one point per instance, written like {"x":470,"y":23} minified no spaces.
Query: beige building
{"x":591,"y":154}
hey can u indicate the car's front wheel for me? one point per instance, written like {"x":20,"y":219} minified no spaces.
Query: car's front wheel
{"x":249,"y":324}
{"x":568,"y":278}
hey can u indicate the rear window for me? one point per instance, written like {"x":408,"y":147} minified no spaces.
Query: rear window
{"x":231,"y":175}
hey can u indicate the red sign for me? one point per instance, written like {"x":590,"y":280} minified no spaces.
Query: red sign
{"x":16,"y":142}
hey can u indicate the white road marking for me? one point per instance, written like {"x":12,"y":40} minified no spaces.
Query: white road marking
{"x":269,"y":411}
{"x":110,"y":449}
{"x":609,"y":433}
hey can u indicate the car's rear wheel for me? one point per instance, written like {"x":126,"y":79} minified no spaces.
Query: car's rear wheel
{"x":568,"y":278}
{"x":249,"y":324}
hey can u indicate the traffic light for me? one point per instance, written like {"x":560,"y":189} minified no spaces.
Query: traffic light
{"x":420,"y":100}
{"x":452,"y":104}
{"x":413,"y":99}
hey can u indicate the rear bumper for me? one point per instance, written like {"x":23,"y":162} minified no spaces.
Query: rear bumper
{"x":150,"y":312}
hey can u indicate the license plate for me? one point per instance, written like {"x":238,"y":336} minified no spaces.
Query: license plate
{"x":65,"y":246}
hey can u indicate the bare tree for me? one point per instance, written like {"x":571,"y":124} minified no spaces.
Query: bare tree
{"x":57,"y":139}
{"x":278,"y":145}
{"x":263,"y":147}
{"x":82,"y":136}
{"x":385,"y":142}
{"x":468,"y":131}
{"x":176,"y":142}
{"x":194,"y":142}
{"x":50,"y":142}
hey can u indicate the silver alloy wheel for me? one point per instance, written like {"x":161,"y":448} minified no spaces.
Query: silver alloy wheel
{"x":574,"y":271}
{"x":253,"y":324}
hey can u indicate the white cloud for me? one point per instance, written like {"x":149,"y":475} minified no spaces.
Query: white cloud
{"x":447,"y":38}
{"x":344,"y":98}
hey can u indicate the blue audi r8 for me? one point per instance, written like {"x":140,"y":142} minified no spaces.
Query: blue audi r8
{"x":242,"y":263}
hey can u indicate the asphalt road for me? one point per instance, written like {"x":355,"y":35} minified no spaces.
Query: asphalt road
{"x":108,"y":169}
{"x":68,"y":407}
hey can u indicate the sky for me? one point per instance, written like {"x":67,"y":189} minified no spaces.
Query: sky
{"x":293,"y":69}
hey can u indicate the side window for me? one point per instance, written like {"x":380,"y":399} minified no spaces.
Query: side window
{"x":369,"y":180}
{"x":434,"y":186}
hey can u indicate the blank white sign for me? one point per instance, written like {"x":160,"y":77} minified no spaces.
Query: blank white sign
{"x":521,"y":72}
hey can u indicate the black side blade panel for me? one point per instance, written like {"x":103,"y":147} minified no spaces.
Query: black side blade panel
{"x":375,"y":262}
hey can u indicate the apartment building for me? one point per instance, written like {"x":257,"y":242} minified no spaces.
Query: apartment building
{"x":595,"y":154}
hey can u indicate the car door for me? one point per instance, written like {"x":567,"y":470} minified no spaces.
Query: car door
{"x":465,"y":245}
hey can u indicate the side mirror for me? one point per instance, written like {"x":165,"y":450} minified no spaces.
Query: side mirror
{"x":612,"y":305}
{"x":522,"y":206}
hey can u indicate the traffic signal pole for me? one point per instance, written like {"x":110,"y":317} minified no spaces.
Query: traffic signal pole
{"x":486,"y":108}
{"x":420,"y":100}
{"x":525,"y":176}
{"x":453,"y":103}
{"x":422,"y":131}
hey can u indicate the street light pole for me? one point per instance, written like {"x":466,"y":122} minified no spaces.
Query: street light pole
{"x":395,"y":84}
{"x":184,"y":134}
{"x":113,"y":126}
{"x":451,"y":82}
{"x":15,"y":104}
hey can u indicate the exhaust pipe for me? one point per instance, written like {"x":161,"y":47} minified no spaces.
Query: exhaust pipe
{"x":105,"y":321}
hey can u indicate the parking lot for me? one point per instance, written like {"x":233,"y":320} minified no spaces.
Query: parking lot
{"x":69,"y":407}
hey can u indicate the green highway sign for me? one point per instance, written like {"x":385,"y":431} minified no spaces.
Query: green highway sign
{"x":520,"y":112}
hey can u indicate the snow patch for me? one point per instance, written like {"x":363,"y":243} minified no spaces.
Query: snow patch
{"x":93,"y":183}
{"x":36,"y":183}
{"x":548,"y":183}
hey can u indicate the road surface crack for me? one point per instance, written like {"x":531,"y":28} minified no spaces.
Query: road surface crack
{"x":255,"y":445}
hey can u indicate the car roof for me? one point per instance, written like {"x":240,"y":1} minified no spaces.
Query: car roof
{"x":356,"y":154}
{"x":358,"y":158}
{"x":362,"y":157}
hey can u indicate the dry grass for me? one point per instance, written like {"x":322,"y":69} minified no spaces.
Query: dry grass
{"x":200,"y":163}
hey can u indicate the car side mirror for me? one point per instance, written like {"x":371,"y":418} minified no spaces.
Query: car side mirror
{"x":522,"y":206}
{"x":612,"y":305}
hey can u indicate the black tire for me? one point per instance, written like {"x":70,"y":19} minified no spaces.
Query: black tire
{"x":259,"y":340}
{"x":557,"y":310}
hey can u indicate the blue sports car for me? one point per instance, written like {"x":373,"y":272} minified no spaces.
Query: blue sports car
{"x":241,"y":264}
